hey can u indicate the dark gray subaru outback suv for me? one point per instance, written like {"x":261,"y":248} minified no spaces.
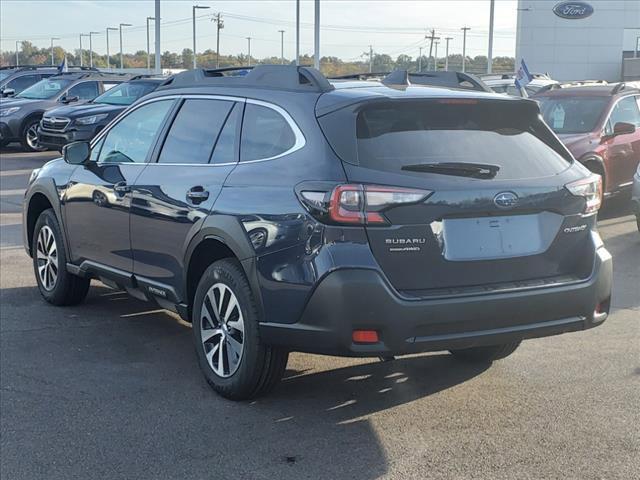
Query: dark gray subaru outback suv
{"x":277,"y":211}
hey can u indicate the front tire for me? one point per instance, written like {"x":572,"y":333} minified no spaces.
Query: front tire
{"x":225,"y":327}
{"x":486,"y":354}
{"x":30,"y":136}
{"x":57,"y":286}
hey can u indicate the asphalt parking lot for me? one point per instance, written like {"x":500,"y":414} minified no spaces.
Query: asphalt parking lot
{"x":111,"y":389}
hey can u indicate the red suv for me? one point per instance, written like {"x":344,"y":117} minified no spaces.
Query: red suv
{"x":599,"y":124}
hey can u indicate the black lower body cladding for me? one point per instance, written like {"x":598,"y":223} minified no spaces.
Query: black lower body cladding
{"x":361,"y":299}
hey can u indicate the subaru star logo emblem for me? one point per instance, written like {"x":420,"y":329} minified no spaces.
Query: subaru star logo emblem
{"x":506,"y":200}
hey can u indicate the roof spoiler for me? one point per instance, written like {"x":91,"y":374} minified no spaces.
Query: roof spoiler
{"x":280,"y":77}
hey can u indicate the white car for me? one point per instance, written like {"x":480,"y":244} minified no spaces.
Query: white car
{"x":505,"y":83}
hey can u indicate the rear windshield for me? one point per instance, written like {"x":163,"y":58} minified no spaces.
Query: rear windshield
{"x":126,"y":93}
{"x":572,"y":114}
{"x":393,"y":135}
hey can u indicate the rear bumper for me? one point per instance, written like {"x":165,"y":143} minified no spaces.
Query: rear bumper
{"x":354,"y":299}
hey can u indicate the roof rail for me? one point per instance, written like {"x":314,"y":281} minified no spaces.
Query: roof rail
{"x":49,"y":67}
{"x":277,"y":77}
{"x":580,"y":83}
{"x":447,"y":79}
{"x":625,"y":86}
{"x":508,"y":76}
{"x":360,"y":76}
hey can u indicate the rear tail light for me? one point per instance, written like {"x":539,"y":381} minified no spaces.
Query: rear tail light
{"x":591,"y":189}
{"x":359,"y":204}
{"x":365,"y":336}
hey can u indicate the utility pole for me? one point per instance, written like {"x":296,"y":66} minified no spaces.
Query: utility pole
{"x":194,"y":8}
{"x":17,"y":60}
{"x":370,"y":58}
{"x":91,"y":47}
{"x":81,"y":53}
{"x":281,"y":47}
{"x":420,"y":61}
{"x":432,"y":37}
{"x":157,"y":65}
{"x":435,"y":56}
{"x":249,"y":56}
{"x":490,"y":55}
{"x":121,"y":54}
{"x":464,"y":46}
{"x":446,"y":60}
{"x":297,"y":32}
{"x":108,"y":58}
{"x":148,"y":45}
{"x":316,"y":36}
{"x":52,"y":39}
{"x":219,"y":25}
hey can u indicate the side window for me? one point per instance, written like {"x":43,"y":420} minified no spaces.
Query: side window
{"x":195,"y":131}
{"x":22,"y":82}
{"x":130,"y":140}
{"x":626,"y":110}
{"x":265,"y":133}
{"x":225,"y":149}
{"x":84,"y":91}
{"x":109,"y":85}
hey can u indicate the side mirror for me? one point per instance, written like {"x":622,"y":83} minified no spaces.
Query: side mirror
{"x":8,"y":92}
{"x":67,"y":99}
{"x":76,"y":153}
{"x":623,"y":128}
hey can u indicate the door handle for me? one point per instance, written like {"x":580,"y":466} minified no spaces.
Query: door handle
{"x":197,"y":194}
{"x":121,"y":187}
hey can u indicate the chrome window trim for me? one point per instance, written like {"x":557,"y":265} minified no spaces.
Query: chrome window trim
{"x":299,"y":143}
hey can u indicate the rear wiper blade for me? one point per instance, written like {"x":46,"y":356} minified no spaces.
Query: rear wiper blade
{"x":459,"y":169}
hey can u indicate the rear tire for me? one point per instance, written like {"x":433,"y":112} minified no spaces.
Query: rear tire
{"x":486,"y":354}
{"x":225,"y":331}
{"x":57,"y":286}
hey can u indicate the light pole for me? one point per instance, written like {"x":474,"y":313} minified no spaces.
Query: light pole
{"x":435,"y":56}
{"x":148,"y":46}
{"x":91,"y":47}
{"x":490,"y":55}
{"x":446,"y":52}
{"x":81,"y":52}
{"x":52,"y":39}
{"x":464,"y":46}
{"x":121,"y":55}
{"x":17,"y":60}
{"x":108,"y":57}
{"x":370,"y":58}
{"x":194,"y":8}
{"x":219,"y":25}
{"x":316,"y":36}
{"x":297,"y":32}
{"x":157,"y":65}
{"x":420,"y":61}
{"x":281,"y":47}
{"x":249,"y":56}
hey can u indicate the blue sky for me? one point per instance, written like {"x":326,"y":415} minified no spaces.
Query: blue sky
{"x":349,"y":26}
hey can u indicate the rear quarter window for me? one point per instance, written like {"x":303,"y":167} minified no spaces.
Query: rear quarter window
{"x":265,"y":134}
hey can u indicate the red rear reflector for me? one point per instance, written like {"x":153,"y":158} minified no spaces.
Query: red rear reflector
{"x":365,"y":336}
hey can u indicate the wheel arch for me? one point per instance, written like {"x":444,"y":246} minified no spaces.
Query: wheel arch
{"x":38,"y":202}
{"x":213,"y":243}
{"x":596,"y":164}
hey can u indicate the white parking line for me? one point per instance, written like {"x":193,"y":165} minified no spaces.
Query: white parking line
{"x":11,"y":173}
{"x":11,"y":193}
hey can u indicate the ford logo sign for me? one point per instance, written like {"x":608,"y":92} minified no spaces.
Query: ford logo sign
{"x":506,"y":200}
{"x":573,"y":10}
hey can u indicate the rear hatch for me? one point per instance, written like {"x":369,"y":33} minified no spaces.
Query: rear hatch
{"x":496,"y":212}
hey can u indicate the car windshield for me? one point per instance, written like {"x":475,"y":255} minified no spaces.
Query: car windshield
{"x":44,"y":89}
{"x":572,"y":114}
{"x":126,"y":93}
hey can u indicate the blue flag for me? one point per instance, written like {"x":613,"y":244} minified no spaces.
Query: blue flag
{"x":62,"y":68}
{"x":523,"y":77}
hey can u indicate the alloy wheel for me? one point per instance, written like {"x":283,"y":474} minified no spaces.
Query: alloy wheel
{"x":47,"y":258}
{"x":32,"y":138}
{"x":222,"y":330}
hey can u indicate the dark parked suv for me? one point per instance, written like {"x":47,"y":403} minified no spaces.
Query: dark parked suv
{"x":20,"y":115}
{"x":14,"y":80}
{"x":278,"y":211}
{"x":71,"y":123}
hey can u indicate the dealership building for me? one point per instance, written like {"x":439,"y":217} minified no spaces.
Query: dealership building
{"x":578,"y":40}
